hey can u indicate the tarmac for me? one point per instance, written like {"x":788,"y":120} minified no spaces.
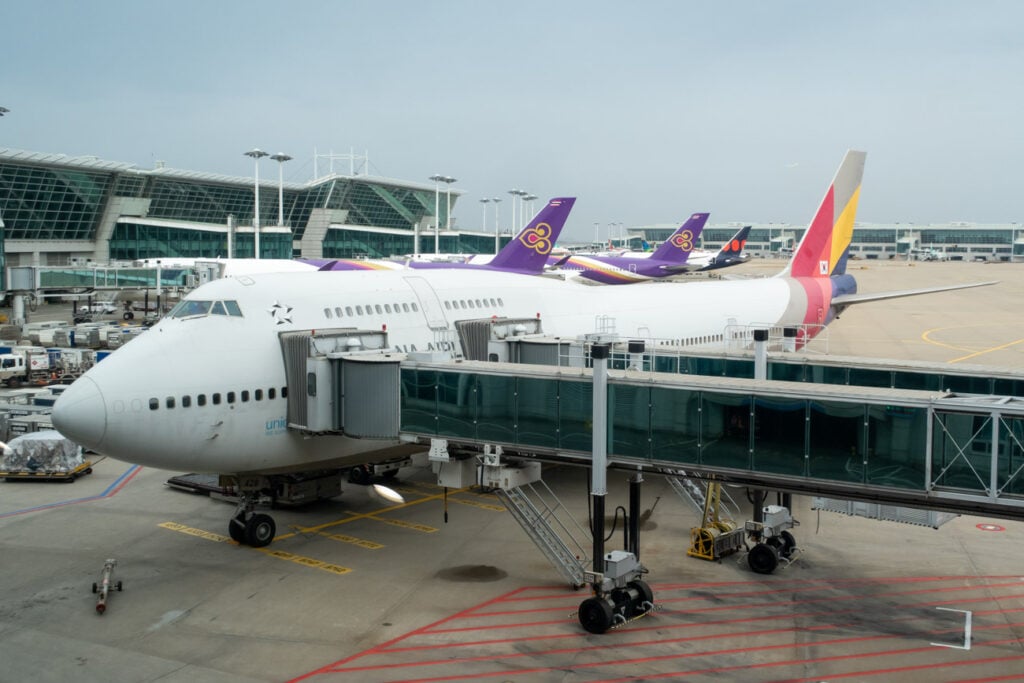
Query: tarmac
{"x":445,"y":588}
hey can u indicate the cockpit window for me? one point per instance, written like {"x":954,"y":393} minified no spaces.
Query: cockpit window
{"x":188,"y":308}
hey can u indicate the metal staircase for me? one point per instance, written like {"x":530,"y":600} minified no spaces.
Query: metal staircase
{"x":696,"y":494}
{"x":541,"y":514}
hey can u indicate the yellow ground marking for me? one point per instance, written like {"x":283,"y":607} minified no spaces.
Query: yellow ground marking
{"x":369,"y":545}
{"x":374,"y":515}
{"x":279,"y":554}
{"x":926,"y":336}
{"x":405,"y":525}
{"x":476,"y":504}
{"x":979,"y":353}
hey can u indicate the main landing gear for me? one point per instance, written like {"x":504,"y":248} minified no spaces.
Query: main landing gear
{"x":251,"y":528}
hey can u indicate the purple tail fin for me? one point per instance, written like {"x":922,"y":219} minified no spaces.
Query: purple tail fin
{"x":677,"y":248}
{"x":528,"y":251}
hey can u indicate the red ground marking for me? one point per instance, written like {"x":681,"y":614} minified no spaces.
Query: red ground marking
{"x":522,"y":595}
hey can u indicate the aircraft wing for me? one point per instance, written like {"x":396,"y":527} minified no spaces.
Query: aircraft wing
{"x":680,"y":268}
{"x":841,"y":302}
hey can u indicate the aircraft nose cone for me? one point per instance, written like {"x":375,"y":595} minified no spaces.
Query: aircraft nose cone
{"x":80,"y":414}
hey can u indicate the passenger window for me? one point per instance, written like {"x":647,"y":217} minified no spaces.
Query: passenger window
{"x":271,"y":393}
{"x":170,"y":401}
{"x":448,"y":305}
{"x":186,"y":401}
{"x":359,"y":310}
{"x":258,"y":394}
{"x":348,"y":311}
{"x":405,"y":308}
{"x":379,"y":309}
{"x":327,"y":312}
{"x":154,"y":404}
{"x":500,"y":302}
{"x":201,"y":400}
{"x":387,"y":308}
{"x":415,"y":308}
{"x":337,"y":311}
{"x":216,"y":399}
{"x":231,"y":397}
{"x":245,"y":397}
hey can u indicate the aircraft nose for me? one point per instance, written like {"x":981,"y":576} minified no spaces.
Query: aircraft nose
{"x":80,"y":414}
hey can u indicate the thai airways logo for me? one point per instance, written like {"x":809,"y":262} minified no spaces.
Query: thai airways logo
{"x":538,"y":238}
{"x":683,"y":240}
{"x":280,"y":313}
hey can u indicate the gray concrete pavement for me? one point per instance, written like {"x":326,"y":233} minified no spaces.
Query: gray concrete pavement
{"x":354,"y":590}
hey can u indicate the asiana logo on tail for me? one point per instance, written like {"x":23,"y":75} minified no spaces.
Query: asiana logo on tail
{"x":538,"y":238}
{"x":683,"y":240}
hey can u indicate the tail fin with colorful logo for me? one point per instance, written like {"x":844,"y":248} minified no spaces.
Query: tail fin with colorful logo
{"x":677,"y":248}
{"x":731,"y":252}
{"x":529,"y":250}
{"x":824,"y":249}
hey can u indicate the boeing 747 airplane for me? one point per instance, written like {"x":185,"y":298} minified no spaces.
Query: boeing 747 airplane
{"x":205,"y":390}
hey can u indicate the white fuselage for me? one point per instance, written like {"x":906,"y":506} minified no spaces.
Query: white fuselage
{"x":182,"y":358}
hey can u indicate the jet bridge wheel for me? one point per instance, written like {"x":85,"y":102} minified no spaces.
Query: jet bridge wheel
{"x":788,"y":544}
{"x":596,"y":615}
{"x":763,"y":558}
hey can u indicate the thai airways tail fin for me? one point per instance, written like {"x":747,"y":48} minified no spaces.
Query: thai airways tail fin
{"x":731,"y":252}
{"x":529,"y":250}
{"x":824,"y":249}
{"x":677,"y":248}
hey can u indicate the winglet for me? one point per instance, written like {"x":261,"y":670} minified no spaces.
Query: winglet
{"x":529,"y":250}
{"x":823,"y":250}
{"x":677,"y":248}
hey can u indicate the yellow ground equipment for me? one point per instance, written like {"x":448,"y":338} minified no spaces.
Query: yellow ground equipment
{"x":716,"y":536}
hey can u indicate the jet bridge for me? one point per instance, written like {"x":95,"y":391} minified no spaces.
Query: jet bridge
{"x":934,"y":450}
{"x":341,"y":381}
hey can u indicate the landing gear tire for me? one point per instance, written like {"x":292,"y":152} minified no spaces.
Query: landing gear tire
{"x":260,"y":530}
{"x":236,"y":529}
{"x":788,"y":544}
{"x":763,"y":558}
{"x":595,"y":615}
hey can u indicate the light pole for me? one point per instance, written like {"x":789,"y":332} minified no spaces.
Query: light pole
{"x":280,"y":158}
{"x":437,"y":209}
{"x":597,"y":233}
{"x":515,"y":193}
{"x":528,"y":198}
{"x":448,"y":180}
{"x":256,"y":153}
{"x":483,"y":222}
{"x":496,"y":201}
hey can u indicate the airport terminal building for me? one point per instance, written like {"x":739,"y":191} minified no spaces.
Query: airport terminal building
{"x":59,"y":209}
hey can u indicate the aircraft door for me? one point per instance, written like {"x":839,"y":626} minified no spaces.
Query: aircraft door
{"x":429,"y":303}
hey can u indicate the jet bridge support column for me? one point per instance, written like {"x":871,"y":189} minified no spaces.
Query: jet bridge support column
{"x":619,"y":594}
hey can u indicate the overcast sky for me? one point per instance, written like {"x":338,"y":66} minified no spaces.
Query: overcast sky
{"x":645,"y":111}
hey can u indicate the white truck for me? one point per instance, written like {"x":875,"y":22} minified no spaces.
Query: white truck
{"x":24,"y":364}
